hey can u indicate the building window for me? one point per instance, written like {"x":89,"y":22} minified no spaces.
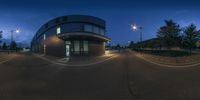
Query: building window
{"x":96,"y":29}
{"x":85,"y":46}
{"x":76,"y":47}
{"x":102,"y":31}
{"x":58,"y":30}
{"x":44,"y":37}
{"x":88,"y":28}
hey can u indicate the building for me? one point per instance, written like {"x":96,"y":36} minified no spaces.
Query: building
{"x":73,"y":35}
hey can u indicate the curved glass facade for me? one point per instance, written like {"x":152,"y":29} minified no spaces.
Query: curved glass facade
{"x":94,"y":29}
{"x":86,"y":35}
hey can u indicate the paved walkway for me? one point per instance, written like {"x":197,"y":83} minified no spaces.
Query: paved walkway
{"x":187,"y":61}
{"x":4,"y":57}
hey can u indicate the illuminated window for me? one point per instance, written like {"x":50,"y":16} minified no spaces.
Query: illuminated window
{"x":58,"y":30}
{"x":76,"y":47}
{"x":44,"y":37}
{"x":85,"y":46}
{"x":88,"y":28}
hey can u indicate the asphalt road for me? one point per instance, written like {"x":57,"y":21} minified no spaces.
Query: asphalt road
{"x":29,"y":78}
{"x":126,"y":77}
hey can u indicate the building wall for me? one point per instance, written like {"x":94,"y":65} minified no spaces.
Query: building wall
{"x":55,"y":46}
{"x":96,"y":48}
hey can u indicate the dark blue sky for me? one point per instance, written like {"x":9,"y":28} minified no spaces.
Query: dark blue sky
{"x":29,"y":15}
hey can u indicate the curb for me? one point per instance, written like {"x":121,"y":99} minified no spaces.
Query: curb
{"x":165,"y":65}
{"x":75,"y":66}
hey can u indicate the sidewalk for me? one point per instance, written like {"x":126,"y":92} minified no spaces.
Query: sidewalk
{"x":4,"y":57}
{"x":186,"y":61}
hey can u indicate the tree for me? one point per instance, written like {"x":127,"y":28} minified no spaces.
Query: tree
{"x":13,"y":45}
{"x":131,"y":45}
{"x":118,"y":47}
{"x":1,"y":36}
{"x":190,"y":37}
{"x":169,"y":34}
{"x":4,"y":46}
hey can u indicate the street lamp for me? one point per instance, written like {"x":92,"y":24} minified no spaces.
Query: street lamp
{"x":136,"y":28}
{"x":12,"y":31}
{"x":17,"y":30}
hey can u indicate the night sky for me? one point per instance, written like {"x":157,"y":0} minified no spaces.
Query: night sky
{"x":29,"y":15}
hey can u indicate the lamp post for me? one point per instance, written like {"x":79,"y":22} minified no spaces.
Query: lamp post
{"x":136,"y":28}
{"x":12,"y":43}
{"x":12,"y":32}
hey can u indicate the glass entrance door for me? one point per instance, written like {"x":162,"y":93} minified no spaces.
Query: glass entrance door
{"x":67,"y":48}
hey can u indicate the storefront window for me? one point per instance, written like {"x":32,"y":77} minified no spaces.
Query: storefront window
{"x":76,"y":47}
{"x":85,"y":46}
{"x":44,"y":37}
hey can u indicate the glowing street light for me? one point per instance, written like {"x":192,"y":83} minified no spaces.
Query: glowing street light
{"x":135,"y":28}
{"x":12,"y":31}
{"x":17,"y":30}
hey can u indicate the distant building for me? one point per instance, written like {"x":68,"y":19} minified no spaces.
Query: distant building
{"x":73,"y":35}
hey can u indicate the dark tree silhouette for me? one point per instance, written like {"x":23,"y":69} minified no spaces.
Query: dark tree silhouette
{"x":169,"y":34}
{"x":131,"y":45}
{"x":4,"y":46}
{"x":191,"y":34}
{"x":1,"y":36}
{"x":13,"y":45}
